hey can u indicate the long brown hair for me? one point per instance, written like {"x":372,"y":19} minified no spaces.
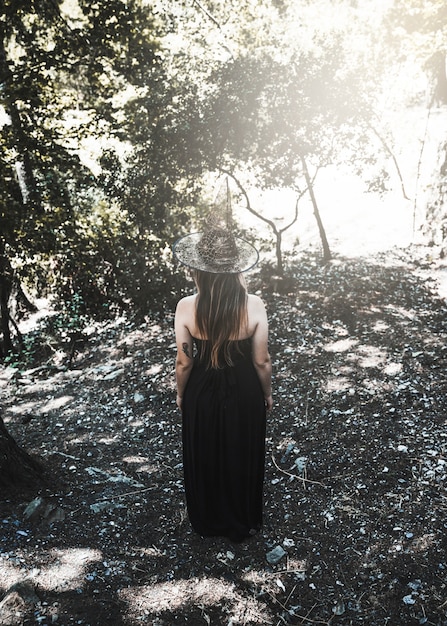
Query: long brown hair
{"x":221,"y":312}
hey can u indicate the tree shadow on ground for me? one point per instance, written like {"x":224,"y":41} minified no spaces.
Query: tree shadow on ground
{"x":355,"y":468}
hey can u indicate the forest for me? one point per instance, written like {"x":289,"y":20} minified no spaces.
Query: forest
{"x":119,"y":121}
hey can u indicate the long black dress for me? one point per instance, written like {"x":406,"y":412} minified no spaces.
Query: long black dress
{"x":224,"y":422}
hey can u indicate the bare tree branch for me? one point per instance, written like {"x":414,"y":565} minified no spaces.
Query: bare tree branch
{"x":214,"y":21}
{"x":327,"y":256}
{"x":393,"y":157}
{"x":207,"y":13}
{"x":418,"y":173}
{"x":248,"y":204}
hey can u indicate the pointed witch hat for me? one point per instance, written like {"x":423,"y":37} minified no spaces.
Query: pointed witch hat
{"x":216,"y":249}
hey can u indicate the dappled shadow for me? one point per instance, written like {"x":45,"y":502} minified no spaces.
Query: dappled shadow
{"x":195,"y":597}
{"x":355,"y":471}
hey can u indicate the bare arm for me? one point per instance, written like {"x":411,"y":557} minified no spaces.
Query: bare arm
{"x":184,"y":360}
{"x":261,"y":357}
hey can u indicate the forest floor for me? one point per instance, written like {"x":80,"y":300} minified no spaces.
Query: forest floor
{"x":356,"y":468}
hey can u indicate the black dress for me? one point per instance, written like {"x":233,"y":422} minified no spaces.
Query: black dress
{"x":224,"y":421}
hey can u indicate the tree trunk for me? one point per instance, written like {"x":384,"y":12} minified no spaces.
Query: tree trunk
{"x":28,"y":187}
{"x":6,"y":344}
{"x":327,"y":256}
{"x":5,"y":290}
{"x":17,"y":467}
{"x":279,"y":263}
{"x":277,"y":232}
{"x":437,"y":67}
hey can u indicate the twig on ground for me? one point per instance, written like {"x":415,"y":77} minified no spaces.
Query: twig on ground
{"x":304,"y":618}
{"x":305,"y":480}
{"x":287,"y":600}
{"x":285,"y":571}
{"x":124,"y":495}
{"x":121,"y":495}
{"x":67,"y":456}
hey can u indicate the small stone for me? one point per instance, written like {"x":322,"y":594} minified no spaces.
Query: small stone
{"x":18,"y":600}
{"x":280,"y":584}
{"x":339,"y":608}
{"x":33,"y":508}
{"x":409,"y":600}
{"x":301,"y":463}
{"x":415,"y":585}
{"x":114,"y":374}
{"x":9,"y":372}
{"x":275,"y":555}
{"x":105,"y":505}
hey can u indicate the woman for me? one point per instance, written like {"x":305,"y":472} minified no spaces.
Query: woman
{"x":223,"y":373}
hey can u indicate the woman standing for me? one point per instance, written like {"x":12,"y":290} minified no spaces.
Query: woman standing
{"x":223,"y":373}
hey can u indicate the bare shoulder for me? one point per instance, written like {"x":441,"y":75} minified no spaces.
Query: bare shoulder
{"x":257,"y":315}
{"x":185,"y":312}
{"x":255,"y":303}
{"x":186,"y":304}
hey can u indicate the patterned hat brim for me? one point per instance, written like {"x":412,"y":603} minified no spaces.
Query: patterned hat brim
{"x":186,"y":251}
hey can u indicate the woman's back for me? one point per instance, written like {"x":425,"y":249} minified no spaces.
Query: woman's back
{"x":246,"y":331}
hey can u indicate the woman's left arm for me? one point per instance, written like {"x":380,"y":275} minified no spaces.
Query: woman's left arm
{"x":184,"y":360}
{"x":260,"y":353}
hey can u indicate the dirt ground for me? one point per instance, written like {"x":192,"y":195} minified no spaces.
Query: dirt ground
{"x":356,"y":468}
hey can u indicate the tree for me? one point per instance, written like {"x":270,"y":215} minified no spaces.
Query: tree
{"x":271,"y":118}
{"x":36,"y":203}
{"x":60,"y":74}
{"x":277,"y":231}
{"x":422,"y":28}
{"x":54,"y":231}
{"x":17,"y":468}
{"x":273,"y":108}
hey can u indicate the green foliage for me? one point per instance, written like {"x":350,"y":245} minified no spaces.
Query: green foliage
{"x":28,"y":354}
{"x":419,"y":17}
{"x":416,"y":33}
{"x":114,"y":114}
{"x":276,"y":84}
{"x":57,"y":332}
{"x":61,"y":75}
